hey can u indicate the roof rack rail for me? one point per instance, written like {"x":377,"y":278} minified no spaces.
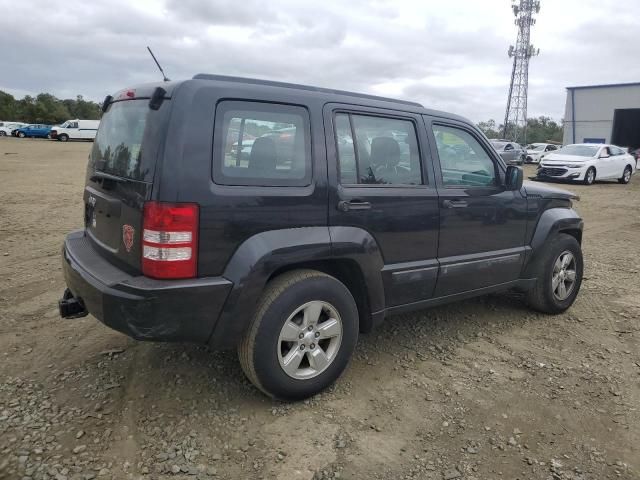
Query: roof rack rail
{"x":272,"y":83}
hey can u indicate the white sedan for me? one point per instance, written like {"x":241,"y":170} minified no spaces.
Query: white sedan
{"x":7,"y":127}
{"x":587,"y":162}
{"x":537,"y":151}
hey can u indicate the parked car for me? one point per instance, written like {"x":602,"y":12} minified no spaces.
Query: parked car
{"x":76,"y":130}
{"x":34,"y":131}
{"x":288,"y":256}
{"x":635,"y":153}
{"x":511,"y":152}
{"x":8,"y":127}
{"x":587,"y":162}
{"x":536,"y":151}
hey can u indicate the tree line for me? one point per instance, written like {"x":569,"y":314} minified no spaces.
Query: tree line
{"x":46,"y":108}
{"x":539,"y":130}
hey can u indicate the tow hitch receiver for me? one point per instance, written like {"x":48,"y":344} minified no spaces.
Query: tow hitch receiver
{"x":70,"y":306}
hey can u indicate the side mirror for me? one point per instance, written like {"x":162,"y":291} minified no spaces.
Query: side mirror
{"x":514,"y":178}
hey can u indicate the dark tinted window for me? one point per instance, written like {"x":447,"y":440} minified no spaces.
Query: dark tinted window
{"x":385,"y":150}
{"x":118,"y":147}
{"x":463,"y":161}
{"x":262,"y":144}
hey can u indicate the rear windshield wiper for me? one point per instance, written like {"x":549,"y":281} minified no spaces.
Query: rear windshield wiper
{"x":98,"y":175}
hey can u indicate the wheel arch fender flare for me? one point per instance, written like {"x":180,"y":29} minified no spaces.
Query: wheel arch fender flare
{"x":260,"y":256}
{"x":552,"y":222}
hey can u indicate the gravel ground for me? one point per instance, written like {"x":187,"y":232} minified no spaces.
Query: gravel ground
{"x":483,"y":389}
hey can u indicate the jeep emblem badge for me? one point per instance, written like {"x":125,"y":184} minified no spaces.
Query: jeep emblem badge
{"x":127,"y":236}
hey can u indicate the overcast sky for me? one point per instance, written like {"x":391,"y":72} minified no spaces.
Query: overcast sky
{"x":449,"y":55}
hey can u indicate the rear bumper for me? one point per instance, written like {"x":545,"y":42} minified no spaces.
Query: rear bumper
{"x":143,"y":308}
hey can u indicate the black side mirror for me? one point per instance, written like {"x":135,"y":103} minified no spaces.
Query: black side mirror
{"x":514,"y":178}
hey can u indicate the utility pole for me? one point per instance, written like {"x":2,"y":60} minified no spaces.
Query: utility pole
{"x":515,"y":118}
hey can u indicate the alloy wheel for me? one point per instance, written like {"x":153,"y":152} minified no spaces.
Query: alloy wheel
{"x":564,"y":276}
{"x":590,"y":177}
{"x":309,"y":340}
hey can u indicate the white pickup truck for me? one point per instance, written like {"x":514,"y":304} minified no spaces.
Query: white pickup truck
{"x":76,"y":130}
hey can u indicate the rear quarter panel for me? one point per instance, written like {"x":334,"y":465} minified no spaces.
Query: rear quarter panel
{"x":229,"y":215}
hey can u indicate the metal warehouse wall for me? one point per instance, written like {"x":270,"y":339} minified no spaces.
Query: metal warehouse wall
{"x":593,"y":108}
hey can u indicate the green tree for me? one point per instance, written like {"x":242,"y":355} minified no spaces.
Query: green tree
{"x":46,"y":108}
{"x":489,"y":128}
{"x":539,"y":130}
{"x":7,"y":106}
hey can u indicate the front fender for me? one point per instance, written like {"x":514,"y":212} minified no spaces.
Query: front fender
{"x":551,"y":222}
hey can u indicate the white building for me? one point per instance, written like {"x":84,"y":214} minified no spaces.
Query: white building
{"x":603,"y":114}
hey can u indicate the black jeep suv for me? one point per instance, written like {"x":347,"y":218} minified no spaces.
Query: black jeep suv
{"x":283,"y":220}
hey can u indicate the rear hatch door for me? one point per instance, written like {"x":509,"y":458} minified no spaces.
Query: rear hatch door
{"x":120,"y":173}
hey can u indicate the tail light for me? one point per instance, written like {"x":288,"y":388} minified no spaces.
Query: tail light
{"x":170,"y":240}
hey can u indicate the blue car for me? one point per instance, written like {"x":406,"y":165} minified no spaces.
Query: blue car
{"x":36,"y":130}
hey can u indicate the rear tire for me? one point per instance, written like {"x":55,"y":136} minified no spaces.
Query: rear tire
{"x":63,"y":137}
{"x":626,"y":175}
{"x":590,"y":176}
{"x":300,"y":367}
{"x":548,"y":296}
{"x":3,"y":133}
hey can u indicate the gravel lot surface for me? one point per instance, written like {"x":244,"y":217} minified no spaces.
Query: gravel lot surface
{"x":483,"y":389}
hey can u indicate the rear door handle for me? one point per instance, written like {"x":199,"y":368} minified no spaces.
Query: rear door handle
{"x":347,"y":206}
{"x":454,"y":204}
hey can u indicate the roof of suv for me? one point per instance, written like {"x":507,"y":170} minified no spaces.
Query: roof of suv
{"x":330,"y":94}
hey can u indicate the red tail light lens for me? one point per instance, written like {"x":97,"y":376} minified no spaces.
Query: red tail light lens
{"x":170,"y":240}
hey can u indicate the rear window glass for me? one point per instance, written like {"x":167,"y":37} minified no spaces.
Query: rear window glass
{"x":261,"y":144}
{"x":124,"y":129}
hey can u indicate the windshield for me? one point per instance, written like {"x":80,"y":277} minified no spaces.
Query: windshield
{"x":498,"y":145}
{"x":536,"y":148}
{"x":118,"y":147}
{"x":579,"y":150}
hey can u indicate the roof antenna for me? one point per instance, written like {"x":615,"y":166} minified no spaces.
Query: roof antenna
{"x":159,"y":67}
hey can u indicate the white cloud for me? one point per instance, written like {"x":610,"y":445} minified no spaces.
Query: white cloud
{"x":446,"y":55}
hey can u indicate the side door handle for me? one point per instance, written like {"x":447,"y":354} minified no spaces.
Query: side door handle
{"x":454,"y":204}
{"x":347,"y":206}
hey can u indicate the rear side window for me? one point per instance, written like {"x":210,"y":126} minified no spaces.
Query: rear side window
{"x":261,"y":144}
{"x":377,"y":150}
{"x":616,"y":151}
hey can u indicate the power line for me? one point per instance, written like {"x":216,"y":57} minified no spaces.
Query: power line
{"x":515,"y":118}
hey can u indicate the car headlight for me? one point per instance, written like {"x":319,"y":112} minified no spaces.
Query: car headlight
{"x":575,"y":166}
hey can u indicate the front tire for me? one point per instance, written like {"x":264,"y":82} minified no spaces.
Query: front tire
{"x":559,"y":276}
{"x":63,"y":138}
{"x":21,"y":134}
{"x":626,"y":175}
{"x":3,"y":133}
{"x":302,"y":335}
{"x":590,"y":176}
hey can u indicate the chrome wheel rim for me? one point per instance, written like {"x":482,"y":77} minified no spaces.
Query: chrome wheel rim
{"x":627,"y":175}
{"x":590,"y":176}
{"x":563,"y":279}
{"x":309,"y":340}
